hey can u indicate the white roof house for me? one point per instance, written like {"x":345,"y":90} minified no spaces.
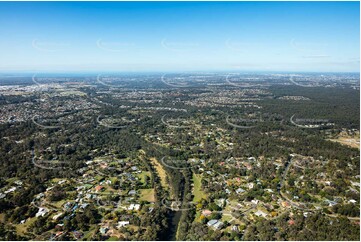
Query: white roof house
{"x":250,"y":185}
{"x":55,"y":217}
{"x":212,"y":222}
{"x":134,"y":207}
{"x":240,"y":190}
{"x":122,"y":224}
{"x":41,"y":212}
{"x":260,"y":213}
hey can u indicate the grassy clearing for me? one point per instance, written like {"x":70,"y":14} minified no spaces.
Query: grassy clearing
{"x":197,"y":192}
{"x":59,"y":204}
{"x":349,"y":140}
{"x":161,"y":173}
{"x":147,"y":195}
{"x":56,"y":180}
{"x":197,"y":218}
{"x":143,"y":175}
{"x":22,"y":228}
{"x":226,"y":217}
{"x":92,"y":231}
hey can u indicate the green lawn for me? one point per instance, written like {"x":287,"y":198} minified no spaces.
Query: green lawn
{"x":143,"y":175}
{"x":2,"y":217}
{"x":226,"y":217}
{"x":198,"y":193}
{"x":88,"y":234}
{"x":161,"y":173}
{"x":59,"y":204}
{"x":147,"y":195}
{"x":113,"y":238}
{"x":197,"y":218}
{"x":56,"y":180}
{"x":22,"y":228}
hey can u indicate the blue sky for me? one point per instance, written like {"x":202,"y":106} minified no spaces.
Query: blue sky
{"x":179,"y":36}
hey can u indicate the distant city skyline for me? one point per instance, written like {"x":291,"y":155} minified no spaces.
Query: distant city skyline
{"x":179,"y":36}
